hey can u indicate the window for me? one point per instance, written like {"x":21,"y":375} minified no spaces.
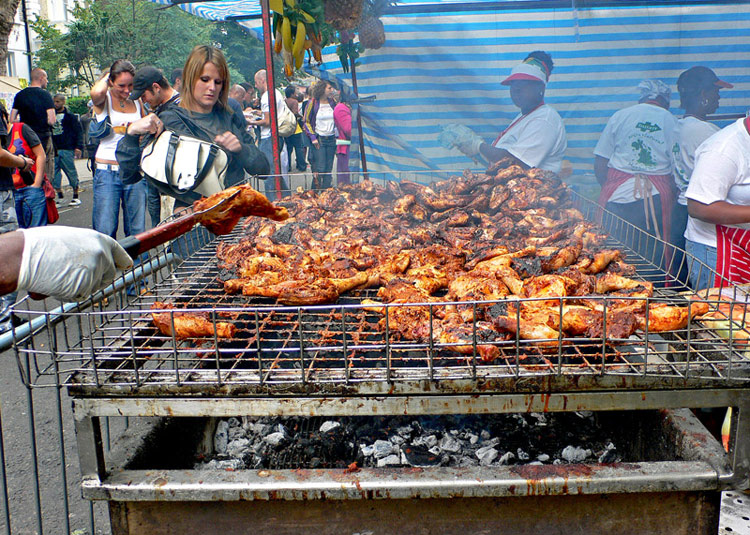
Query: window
{"x":12,"y":64}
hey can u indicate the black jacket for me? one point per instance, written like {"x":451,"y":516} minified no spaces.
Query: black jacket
{"x":72,"y":133}
{"x":130,"y":148}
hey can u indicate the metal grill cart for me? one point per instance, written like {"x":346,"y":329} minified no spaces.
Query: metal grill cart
{"x":331,"y":361}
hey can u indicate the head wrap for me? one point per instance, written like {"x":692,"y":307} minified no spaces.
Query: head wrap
{"x":653,"y":89}
{"x":530,"y":69}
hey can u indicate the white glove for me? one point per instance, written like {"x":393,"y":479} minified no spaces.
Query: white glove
{"x":461,"y":137}
{"x":69,"y":263}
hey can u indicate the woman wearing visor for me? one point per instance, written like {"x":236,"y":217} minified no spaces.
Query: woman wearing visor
{"x":536,"y":137}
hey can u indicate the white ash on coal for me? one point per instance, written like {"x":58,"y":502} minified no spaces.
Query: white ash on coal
{"x":401,"y":441}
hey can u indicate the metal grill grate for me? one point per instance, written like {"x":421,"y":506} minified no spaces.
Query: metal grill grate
{"x":339,"y":349}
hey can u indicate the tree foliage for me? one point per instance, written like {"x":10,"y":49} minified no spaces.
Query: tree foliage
{"x":103,"y":31}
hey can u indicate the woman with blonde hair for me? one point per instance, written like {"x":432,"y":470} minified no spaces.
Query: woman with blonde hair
{"x":205,"y":114}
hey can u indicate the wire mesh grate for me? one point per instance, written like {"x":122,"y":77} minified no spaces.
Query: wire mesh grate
{"x":342,"y":349}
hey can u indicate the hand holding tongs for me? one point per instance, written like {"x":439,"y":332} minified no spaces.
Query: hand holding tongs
{"x":144,"y":241}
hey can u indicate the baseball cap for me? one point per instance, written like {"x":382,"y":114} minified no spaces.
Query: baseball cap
{"x":530,"y":69}
{"x":144,"y":78}
{"x":700,"y":77}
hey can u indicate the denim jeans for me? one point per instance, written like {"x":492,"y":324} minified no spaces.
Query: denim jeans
{"x":324,"y":160}
{"x":342,"y":168}
{"x":31,"y":207}
{"x":700,"y":276}
{"x":294,"y":143}
{"x":109,"y":194}
{"x":65,"y":161}
{"x":266,"y":147}
{"x":8,"y":223}
{"x":153,"y":201}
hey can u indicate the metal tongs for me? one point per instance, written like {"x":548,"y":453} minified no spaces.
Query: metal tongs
{"x":144,"y":241}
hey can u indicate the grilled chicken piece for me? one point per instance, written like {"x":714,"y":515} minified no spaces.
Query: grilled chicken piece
{"x":189,"y":324}
{"x":601,"y":260}
{"x":583,"y":321}
{"x":611,"y":281}
{"x":472,"y":288}
{"x":246,"y":203}
{"x":542,"y":334}
{"x":662,"y":317}
{"x":463,"y":335}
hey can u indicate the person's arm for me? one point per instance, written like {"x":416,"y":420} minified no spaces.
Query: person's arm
{"x":40,"y":158}
{"x":62,"y":262}
{"x":11,"y":250}
{"x":75,"y":125}
{"x":307,"y":125}
{"x":51,"y":116}
{"x":8,"y":159}
{"x":247,"y":154}
{"x":98,"y":92}
{"x":493,"y":154}
{"x":601,"y":168}
{"x":13,"y":115}
{"x":719,"y":212}
{"x":263,"y":121}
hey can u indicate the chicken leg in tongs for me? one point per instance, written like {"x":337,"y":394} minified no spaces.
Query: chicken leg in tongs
{"x":219,"y":213}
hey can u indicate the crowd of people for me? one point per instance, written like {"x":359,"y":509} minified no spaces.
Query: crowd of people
{"x":676,"y":179}
{"x":128,"y":109}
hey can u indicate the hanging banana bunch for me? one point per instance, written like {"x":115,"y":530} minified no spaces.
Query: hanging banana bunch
{"x":297,"y":30}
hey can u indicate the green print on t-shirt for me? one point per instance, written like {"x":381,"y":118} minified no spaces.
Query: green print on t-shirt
{"x":648,"y":127}
{"x":644,"y":154}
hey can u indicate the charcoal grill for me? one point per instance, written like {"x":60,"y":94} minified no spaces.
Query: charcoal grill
{"x":332,"y":360}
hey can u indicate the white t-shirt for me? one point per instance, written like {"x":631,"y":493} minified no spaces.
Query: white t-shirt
{"x":691,"y":132}
{"x":638,"y":139}
{"x":324,"y":125}
{"x":265,"y":131}
{"x":722,"y":173}
{"x":108,"y":145}
{"x":538,"y":139}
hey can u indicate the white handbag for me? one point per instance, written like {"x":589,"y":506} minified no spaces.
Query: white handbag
{"x":184,"y":167}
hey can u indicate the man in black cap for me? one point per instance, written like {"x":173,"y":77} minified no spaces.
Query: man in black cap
{"x":150,"y":85}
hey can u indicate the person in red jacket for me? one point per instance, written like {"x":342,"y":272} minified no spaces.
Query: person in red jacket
{"x":342,"y":118}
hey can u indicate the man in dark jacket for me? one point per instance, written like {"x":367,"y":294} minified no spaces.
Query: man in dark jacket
{"x":153,"y":89}
{"x":34,"y":107}
{"x":67,"y":137}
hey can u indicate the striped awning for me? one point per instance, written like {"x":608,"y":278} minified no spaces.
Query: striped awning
{"x":439,"y":68}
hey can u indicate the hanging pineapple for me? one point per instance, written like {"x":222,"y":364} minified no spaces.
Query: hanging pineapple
{"x":343,"y":14}
{"x":371,"y":30}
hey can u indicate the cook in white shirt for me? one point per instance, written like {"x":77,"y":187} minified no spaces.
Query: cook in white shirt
{"x":536,"y":137}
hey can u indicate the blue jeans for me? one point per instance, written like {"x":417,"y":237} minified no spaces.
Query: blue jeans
{"x":153,"y":201}
{"x":294,"y":143}
{"x":109,"y":194}
{"x":31,"y":207}
{"x":323,"y":161}
{"x":65,"y":161}
{"x":700,"y":276}
{"x":266,"y":147}
{"x":8,"y":223}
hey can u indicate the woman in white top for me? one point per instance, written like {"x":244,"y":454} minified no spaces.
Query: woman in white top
{"x":536,"y":137}
{"x":110,"y":97}
{"x":699,"y":97}
{"x":320,"y":130}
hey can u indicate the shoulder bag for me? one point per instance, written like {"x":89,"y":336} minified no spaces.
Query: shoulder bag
{"x":184,"y":167}
{"x":286,"y":120}
{"x":101,"y":129}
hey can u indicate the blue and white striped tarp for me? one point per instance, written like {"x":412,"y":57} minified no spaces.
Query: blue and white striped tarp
{"x":444,"y":68}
